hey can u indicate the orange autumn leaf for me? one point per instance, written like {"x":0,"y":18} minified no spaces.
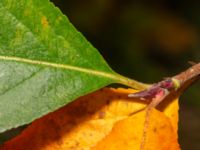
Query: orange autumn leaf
{"x":127,"y":134}
{"x":104,"y":120}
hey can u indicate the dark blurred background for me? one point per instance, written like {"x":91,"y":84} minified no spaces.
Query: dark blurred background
{"x":146,"y":40}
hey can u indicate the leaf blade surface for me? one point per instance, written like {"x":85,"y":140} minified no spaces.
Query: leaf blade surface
{"x":45,"y":63}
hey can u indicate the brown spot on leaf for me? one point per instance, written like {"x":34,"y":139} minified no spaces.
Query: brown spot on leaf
{"x":102,"y":114}
{"x":154,"y":129}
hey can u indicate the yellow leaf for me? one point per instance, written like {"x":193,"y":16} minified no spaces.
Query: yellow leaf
{"x":127,"y":134}
{"x":104,"y":120}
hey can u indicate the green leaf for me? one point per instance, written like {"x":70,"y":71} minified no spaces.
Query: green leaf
{"x":44,"y":62}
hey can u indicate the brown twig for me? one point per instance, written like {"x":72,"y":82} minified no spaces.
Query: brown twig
{"x":159,"y":91}
{"x":189,"y":76}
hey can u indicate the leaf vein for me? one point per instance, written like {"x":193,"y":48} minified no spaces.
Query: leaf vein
{"x":59,"y":66}
{"x":19,"y":83}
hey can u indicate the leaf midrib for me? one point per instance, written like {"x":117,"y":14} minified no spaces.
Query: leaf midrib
{"x":59,"y":66}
